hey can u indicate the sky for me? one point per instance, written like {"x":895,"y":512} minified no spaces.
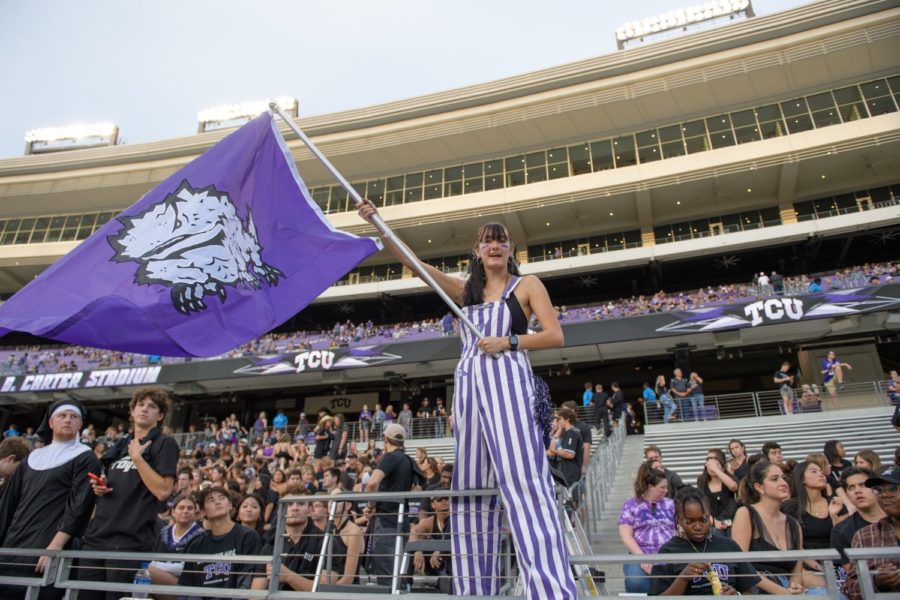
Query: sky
{"x":151,"y":66}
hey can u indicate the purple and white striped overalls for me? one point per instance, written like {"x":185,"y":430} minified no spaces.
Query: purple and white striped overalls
{"x":498,"y":444}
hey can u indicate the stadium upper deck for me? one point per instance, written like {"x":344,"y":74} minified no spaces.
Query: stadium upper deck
{"x":733,"y":128}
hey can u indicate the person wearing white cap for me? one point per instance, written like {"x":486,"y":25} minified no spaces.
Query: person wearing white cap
{"x":49,"y":499}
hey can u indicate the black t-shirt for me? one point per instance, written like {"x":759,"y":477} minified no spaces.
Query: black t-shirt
{"x":740,"y":576}
{"x":571,"y":469}
{"x":585,"y":430}
{"x":125,"y":519}
{"x":303,"y":557}
{"x":782,"y":375}
{"x":322,"y":446}
{"x":722,"y":504}
{"x":678,"y":385}
{"x":213,"y":574}
{"x":398,"y":477}
{"x":842,"y":533}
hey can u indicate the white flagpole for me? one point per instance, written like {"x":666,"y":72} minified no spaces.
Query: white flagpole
{"x":379,"y":224}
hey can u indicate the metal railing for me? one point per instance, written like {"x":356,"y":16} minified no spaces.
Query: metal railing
{"x":600,"y":476}
{"x":62,"y":564}
{"x":770,"y":402}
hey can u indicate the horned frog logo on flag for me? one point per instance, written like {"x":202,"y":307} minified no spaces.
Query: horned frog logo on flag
{"x":195,"y":243}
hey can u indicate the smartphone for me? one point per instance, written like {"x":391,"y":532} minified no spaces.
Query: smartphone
{"x":96,"y":478}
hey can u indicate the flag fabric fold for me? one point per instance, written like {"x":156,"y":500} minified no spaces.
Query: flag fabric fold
{"x":224,"y":250}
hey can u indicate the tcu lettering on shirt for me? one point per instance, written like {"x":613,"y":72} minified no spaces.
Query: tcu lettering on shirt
{"x":218,"y":569}
{"x":123,"y":464}
{"x":774,"y":309}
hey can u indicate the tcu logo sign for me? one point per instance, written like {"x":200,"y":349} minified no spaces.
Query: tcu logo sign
{"x":314,"y":359}
{"x":774,"y":309}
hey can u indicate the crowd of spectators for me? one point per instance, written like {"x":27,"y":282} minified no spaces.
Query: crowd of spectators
{"x":761,"y":502}
{"x":220,"y":496}
{"x":47,"y":359}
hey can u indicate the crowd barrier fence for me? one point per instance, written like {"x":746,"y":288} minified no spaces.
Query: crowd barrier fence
{"x":59,"y":572}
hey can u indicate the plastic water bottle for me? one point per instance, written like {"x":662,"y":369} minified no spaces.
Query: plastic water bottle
{"x":142,"y":577}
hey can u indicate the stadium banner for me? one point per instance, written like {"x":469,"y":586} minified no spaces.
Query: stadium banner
{"x":340,"y":402}
{"x":221,"y":252}
{"x":72,"y":380}
{"x":293,"y":366}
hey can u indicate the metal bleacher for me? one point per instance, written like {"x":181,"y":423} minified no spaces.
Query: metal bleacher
{"x":684,"y":445}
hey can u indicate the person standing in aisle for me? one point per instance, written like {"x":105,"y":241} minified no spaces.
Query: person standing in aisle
{"x":498,"y":439}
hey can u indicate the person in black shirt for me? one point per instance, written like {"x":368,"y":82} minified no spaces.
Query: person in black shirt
{"x":568,"y":449}
{"x":835,"y":453}
{"x":654,"y":454}
{"x":738,"y":466}
{"x":324,"y":437}
{"x":618,"y":402}
{"x":48,"y":500}
{"x":601,"y":410}
{"x":587,"y":437}
{"x":695,"y":535}
{"x":720,"y":489}
{"x":785,"y":382}
{"x":678,"y":389}
{"x":394,"y":474}
{"x":140,"y":474}
{"x":224,"y":538}
{"x":302,"y":546}
{"x":868,"y":511}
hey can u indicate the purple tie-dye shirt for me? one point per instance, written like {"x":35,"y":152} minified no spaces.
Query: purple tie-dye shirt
{"x":653,"y":525}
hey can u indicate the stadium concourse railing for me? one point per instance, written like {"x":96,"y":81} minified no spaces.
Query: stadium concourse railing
{"x":770,"y":402}
{"x":718,"y":406}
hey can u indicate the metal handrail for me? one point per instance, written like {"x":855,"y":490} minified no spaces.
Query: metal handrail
{"x":62,"y":562}
{"x":768,"y":402}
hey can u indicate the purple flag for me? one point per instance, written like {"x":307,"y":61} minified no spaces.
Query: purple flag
{"x":221,"y":252}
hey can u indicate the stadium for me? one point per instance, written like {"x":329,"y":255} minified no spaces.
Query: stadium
{"x":648,"y":189}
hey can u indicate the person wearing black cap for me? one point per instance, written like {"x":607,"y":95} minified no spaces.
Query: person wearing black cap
{"x":49,"y":499}
{"x":395,"y":473}
{"x":140,"y":473}
{"x":882,"y":534}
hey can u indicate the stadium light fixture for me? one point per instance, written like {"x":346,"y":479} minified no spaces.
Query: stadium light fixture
{"x":71,"y":137}
{"x":681,"y":18}
{"x":233,"y":115}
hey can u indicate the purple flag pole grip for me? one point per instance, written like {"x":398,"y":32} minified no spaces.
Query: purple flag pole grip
{"x":380,"y":225}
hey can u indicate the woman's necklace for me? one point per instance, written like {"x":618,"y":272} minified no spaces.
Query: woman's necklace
{"x":696,"y":549}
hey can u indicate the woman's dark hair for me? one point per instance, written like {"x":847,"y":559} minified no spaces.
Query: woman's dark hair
{"x":688,"y":495}
{"x":799,"y":490}
{"x":258,"y":527}
{"x":830,"y":451}
{"x":185,"y":496}
{"x":703,"y":479}
{"x":474,"y":290}
{"x":740,"y":443}
{"x":747,"y":492}
{"x":646,"y":478}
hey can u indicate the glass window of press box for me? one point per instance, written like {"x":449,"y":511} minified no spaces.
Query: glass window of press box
{"x":794,"y":115}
